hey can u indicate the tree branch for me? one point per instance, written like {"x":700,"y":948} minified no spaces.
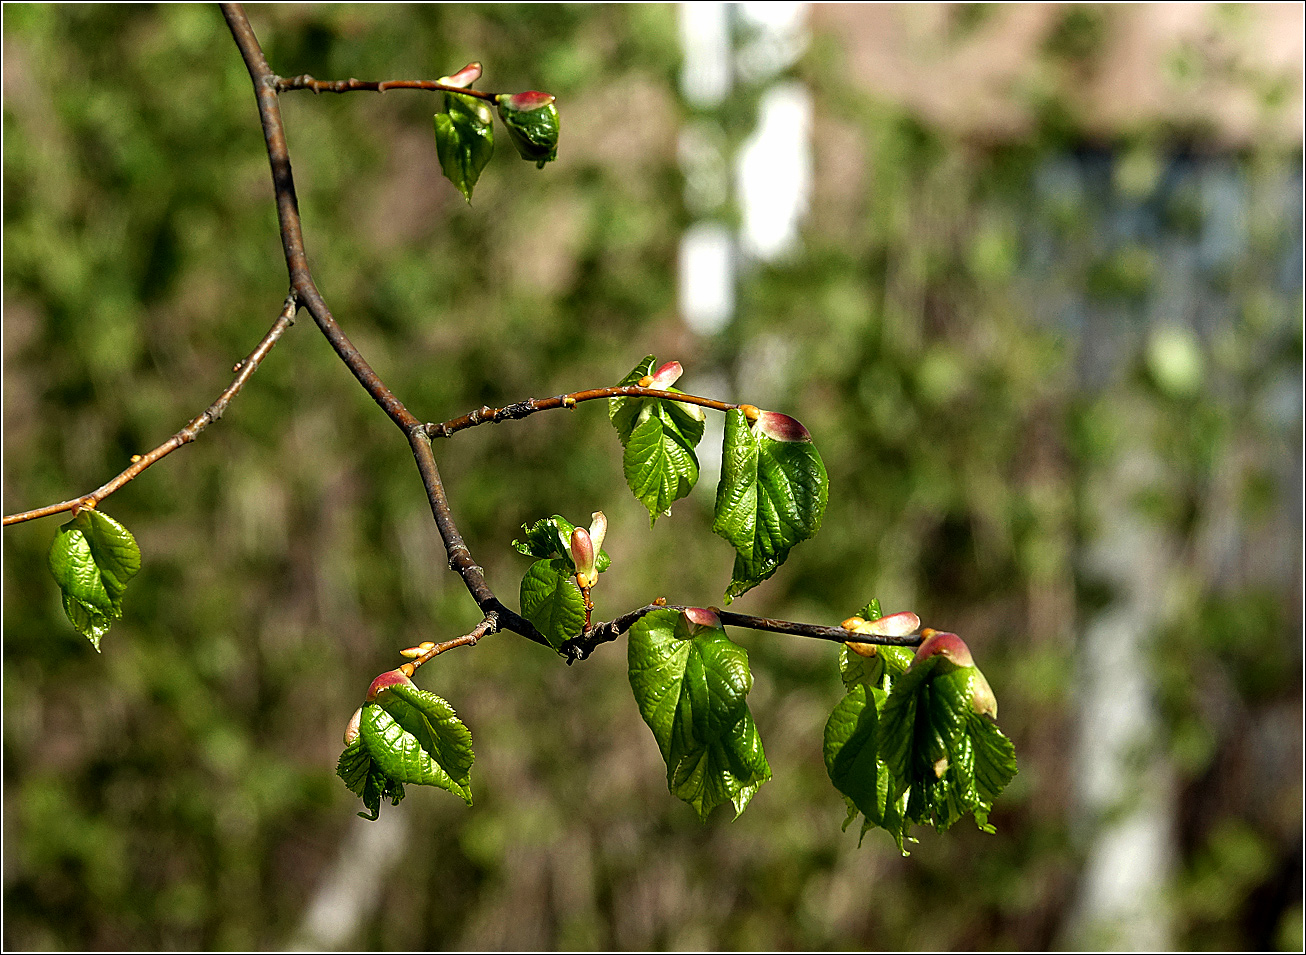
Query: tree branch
{"x":266,"y":84}
{"x":351,"y":85}
{"x":187,"y":434}
{"x":522,"y":409}
{"x":579,"y":648}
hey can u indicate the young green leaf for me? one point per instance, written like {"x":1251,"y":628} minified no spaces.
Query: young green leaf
{"x":551,"y":599}
{"x":940,"y":747}
{"x":413,"y":736}
{"x":532,"y":122}
{"x":464,"y":140}
{"x":691,"y":683}
{"x":853,"y":762}
{"x":92,"y":559}
{"x":659,"y":438}
{"x":545,"y":539}
{"x":364,"y":778}
{"x":772,"y":494}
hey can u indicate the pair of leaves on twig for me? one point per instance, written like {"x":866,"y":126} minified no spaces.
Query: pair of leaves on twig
{"x":773,"y":488}
{"x":907,"y":743}
{"x":92,"y":559}
{"x":464,"y":132}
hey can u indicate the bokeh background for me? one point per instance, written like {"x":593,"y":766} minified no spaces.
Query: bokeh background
{"x":1042,"y":313}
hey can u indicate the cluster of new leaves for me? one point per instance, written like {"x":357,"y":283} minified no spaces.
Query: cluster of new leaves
{"x":773,"y":486}
{"x":551,"y":595}
{"x":915,"y":739}
{"x":92,"y":559}
{"x":404,"y":735}
{"x":464,"y":132}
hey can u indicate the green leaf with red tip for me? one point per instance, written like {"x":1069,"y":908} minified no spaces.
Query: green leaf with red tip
{"x":464,"y":140}
{"x":658,"y":437}
{"x":532,"y":122}
{"x":92,"y":559}
{"x":771,"y":496}
{"x":948,"y":759}
{"x":366,"y":780}
{"x":691,"y":684}
{"x":551,"y":599}
{"x":414,"y":737}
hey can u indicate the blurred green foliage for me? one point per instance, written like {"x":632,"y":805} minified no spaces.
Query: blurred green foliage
{"x":966,"y":334}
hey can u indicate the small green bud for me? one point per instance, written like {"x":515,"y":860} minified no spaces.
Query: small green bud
{"x":532,"y":121}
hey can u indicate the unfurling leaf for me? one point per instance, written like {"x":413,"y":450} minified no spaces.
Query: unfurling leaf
{"x":551,"y":599}
{"x":659,"y":437}
{"x":464,"y":133}
{"x":939,"y":741}
{"x":551,"y":537}
{"x":691,"y":684}
{"x":772,"y":494}
{"x":532,"y":121}
{"x":365,"y":779}
{"x":463,"y":142}
{"x":92,"y":559}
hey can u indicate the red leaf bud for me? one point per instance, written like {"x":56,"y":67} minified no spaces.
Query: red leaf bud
{"x":525,"y":102}
{"x":583,"y":556}
{"x":701,"y":619}
{"x":465,"y":77}
{"x":666,"y":376}
{"x":895,"y":625}
{"x":386,"y":680}
{"x":781,"y":427}
{"x":948,"y":645}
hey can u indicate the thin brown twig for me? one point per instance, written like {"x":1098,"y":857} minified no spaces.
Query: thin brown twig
{"x":351,"y":85}
{"x":186,"y":435}
{"x":523,"y":409}
{"x":579,"y":648}
{"x":488,"y":625}
{"x":301,"y":280}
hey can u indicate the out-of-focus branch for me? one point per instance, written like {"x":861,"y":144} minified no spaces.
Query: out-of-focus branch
{"x":351,"y":85}
{"x":187,"y":434}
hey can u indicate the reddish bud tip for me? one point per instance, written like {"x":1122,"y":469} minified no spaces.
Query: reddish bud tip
{"x":666,"y":376}
{"x":465,"y":77}
{"x":386,"y":680}
{"x":950,"y":646}
{"x":525,"y":102}
{"x":582,"y":552}
{"x":781,"y":427}
{"x":895,"y":625}
{"x":900,"y":624}
{"x":701,"y":619}
{"x":354,"y":727}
